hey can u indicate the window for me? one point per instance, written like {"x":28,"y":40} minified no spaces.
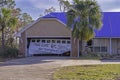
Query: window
{"x":96,"y":49}
{"x":53,"y":41}
{"x":103,"y":49}
{"x":38,"y":40}
{"x":33,"y":40}
{"x":68,"y":42}
{"x":89,"y":43}
{"x":43,"y":41}
{"x":63,"y":41}
{"x":48,"y":41}
{"x":100,"y":49}
{"x":58,"y":41}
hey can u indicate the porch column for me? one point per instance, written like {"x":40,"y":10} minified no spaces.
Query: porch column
{"x":110,"y":48}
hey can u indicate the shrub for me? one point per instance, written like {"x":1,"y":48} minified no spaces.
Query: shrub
{"x":106,"y":55}
{"x":9,"y":52}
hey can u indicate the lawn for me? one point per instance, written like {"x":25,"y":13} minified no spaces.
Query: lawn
{"x":89,"y":72}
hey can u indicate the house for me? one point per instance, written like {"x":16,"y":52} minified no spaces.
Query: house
{"x":50,"y":35}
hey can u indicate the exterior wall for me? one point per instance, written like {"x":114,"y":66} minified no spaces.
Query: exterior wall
{"x":48,"y":28}
{"x":118,"y":44}
{"x":100,"y":42}
{"x":22,"y":44}
{"x":115,"y":45}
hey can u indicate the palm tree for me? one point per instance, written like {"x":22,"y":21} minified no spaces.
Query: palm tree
{"x":84,"y":16}
{"x":6,"y":20}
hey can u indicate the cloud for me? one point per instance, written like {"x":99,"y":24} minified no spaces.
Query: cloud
{"x":45,"y":4}
{"x":37,"y":7}
{"x":114,"y":10}
{"x":109,"y":5}
{"x":27,"y":7}
{"x":106,"y":5}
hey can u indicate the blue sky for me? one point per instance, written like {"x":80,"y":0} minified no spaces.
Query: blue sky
{"x":37,"y":7}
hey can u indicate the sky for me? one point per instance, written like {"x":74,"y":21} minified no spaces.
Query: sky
{"x":35,"y":8}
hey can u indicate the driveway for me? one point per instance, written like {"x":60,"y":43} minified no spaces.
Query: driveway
{"x":41,"y":68}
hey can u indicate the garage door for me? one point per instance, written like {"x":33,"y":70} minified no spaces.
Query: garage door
{"x":49,"y":46}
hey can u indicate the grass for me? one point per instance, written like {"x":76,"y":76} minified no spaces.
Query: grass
{"x":89,"y":72}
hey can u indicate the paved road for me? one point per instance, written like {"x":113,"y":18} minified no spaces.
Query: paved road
{"x":40,"y":68}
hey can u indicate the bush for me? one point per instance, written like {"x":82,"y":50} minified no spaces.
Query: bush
{"x":90,"y":56}
{"x":9,"y":52}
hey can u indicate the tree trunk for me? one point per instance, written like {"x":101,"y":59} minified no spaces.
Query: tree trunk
{"x":81,"y":47}
{"x":3,"y":41}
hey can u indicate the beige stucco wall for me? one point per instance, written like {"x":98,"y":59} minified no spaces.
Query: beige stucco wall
{"x":48,"y":28}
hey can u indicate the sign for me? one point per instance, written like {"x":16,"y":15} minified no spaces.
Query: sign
{"x":47,"y":48}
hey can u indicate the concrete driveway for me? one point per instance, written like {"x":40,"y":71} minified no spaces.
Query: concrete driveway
{"x":40,"y":68}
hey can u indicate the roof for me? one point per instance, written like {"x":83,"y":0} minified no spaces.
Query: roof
{"x":110,"y":28}
{"x":111,"y":25}
{"x":59,"y":15}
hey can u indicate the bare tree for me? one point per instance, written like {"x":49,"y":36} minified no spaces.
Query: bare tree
{"x":49,"y":10}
